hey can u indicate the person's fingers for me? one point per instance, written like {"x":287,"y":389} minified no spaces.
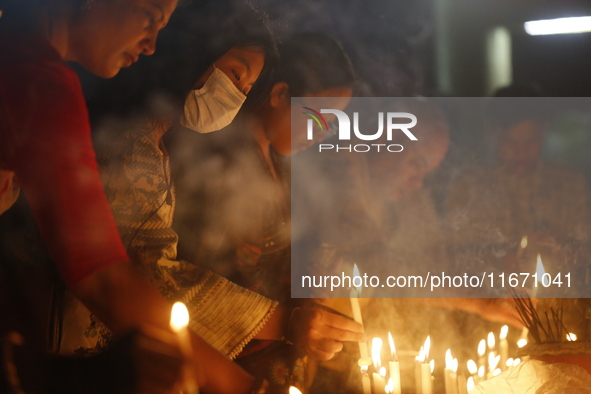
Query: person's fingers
{"x":337,"y":334}
{"x":323,"y":317}
{"x":159,"y":363}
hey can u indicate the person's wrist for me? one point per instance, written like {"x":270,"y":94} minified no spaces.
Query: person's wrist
{"x":289,"y":330}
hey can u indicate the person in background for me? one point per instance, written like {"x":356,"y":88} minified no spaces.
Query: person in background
{"x":245,"y":232}
{"x":46,"y":148}
{"x":502,"y":214}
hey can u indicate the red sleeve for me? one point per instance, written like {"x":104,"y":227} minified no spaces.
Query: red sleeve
{"x":55,"y":163}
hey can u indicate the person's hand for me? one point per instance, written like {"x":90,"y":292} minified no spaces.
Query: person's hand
{"x":320,"y":331}
{"x":149,"y":361}
{"x":159,"y":362}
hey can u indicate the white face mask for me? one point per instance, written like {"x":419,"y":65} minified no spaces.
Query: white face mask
{"x":214,"y":106}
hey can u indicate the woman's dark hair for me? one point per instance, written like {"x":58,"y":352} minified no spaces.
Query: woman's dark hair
{"x":197,"y":35}
{"x":312,"y":62}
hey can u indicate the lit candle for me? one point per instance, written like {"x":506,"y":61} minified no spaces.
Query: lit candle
{"x":462,"y":384}
{"x":364,"y":359}
{"x":472,"y":368}
{"x":504,"y":347}
{"x":481,"y":352}
{"x":423,"y":369}
{"x":294,"y":390}
{"x":490,"y":340}
{"x":450,"y":374}
{"x":481,"y":374}
{"x":365,"y":381}
{"x":179,"y":321}
{"x":470,"y":384}
{"x":389,"y":386}
{"x":379,"y":381}
{"x":492,"y":364}
{"x":394,"y":382}
{"x":429,"y":389}
{"x":571,"y":337}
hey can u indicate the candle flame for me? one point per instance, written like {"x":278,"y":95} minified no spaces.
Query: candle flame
{"x":523,"y":243}
{"x":509,"y":362}
{"x":376,"y":349}
{"x":294,"y":390}
{"x":481,"y":372}
{"x":427,"y":347}
{"x":390,"y":386}
{"x":179,"y":318}
{"x":470,"y":383}
{"x":454,"y":365}
{"x":521,"y":343}
{"x":421,"y":356}
{"x":481,"y":348}
{"x":504,"y":332}
{"x":356,"y":275}
{"x":364,"y":369}
{"x":540,"y":272}
{"x":392,"y":347}
{"x":571,"y":337}
{"x":516,"y":362}
{"x":491,"y":340}
{"x":448,"y":359}
{"x":493,"y":361}
{"x":472,"y":367}
{"x":432,"y":365}
{"x":383,"y":372}
{"x":497,"y":372}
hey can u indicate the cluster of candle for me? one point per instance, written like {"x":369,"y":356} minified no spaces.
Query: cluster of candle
{"x":492,"y":360}
{"x":383,"y":380}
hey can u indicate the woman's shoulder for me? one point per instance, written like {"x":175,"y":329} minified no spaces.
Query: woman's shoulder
{"x":30,"y":60}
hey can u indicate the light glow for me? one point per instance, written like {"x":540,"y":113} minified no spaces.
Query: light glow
{"x":481,"y":348}
{"x":504,"y":332}
{"x":491,"y":340}
{"x":179,"y":318}
{"x":580,"y":24}
{"x":472,"y":367}
{"x":571,"y":337}
{"x":376,"y":350}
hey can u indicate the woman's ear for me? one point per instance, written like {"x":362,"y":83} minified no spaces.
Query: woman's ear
{"x":279,"y":95}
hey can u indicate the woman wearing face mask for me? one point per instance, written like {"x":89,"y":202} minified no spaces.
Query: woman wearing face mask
{"x":135,"y":165}
{"x":45,"y":145}
{"x":246,"y":233}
